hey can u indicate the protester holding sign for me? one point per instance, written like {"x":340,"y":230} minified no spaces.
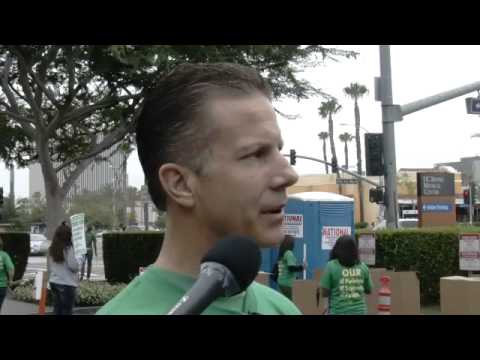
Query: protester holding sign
{"x":91,"y":246}
{"x":287,"y":266}
{"x":346,"y":279}
{"x":64,"y":268}
{"x":6,"y":273}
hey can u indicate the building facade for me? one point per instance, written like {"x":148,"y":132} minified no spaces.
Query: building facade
{"x":110,"y":170}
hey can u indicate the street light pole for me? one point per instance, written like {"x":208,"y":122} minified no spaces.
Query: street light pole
{"x":390,"y":114}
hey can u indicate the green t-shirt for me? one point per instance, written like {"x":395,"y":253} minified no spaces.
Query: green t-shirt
{"x":156,"y":291}
{"x":347,"y":286}
{"x":5,"y":266}
{"x":285,"y":276}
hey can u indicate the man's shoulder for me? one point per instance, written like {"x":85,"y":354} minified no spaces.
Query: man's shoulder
{"x":137,"y":298}
{"x":271,"y":302}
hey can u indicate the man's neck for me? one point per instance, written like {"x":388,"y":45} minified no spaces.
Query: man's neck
{"x":183,"y":248}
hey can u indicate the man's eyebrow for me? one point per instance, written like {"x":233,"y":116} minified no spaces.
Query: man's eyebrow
{"x":256,"y":145}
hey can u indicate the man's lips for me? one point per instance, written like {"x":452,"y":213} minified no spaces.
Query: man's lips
{"x":272,"y":210}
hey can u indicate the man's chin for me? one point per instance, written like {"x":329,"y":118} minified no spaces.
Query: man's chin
{"x":270,"y":241}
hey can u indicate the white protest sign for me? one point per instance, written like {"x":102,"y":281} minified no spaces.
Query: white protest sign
{"x":78,"y":235}
{"x":366,"y":248}
{"x":37,"y":285}
{"x":330,"y":234}
{"x":293,"y":225}
{"x":469,"y":249}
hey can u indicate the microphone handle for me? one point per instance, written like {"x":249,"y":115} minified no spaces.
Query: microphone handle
{"x":205,"y":290}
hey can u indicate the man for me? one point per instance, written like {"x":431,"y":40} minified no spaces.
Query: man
{"x":7,"y":271}
{"x":91,"y":243}
{"x":209,"y":144}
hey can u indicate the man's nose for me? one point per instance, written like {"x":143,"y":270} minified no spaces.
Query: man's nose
{"x":286,"y":176}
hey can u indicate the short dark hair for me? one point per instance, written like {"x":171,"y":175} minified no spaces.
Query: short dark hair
{"x":1,"y":243}
{"x":169,"y":128}
{"x":345,"y":251}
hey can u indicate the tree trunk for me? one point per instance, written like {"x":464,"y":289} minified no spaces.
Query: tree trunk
{"x":325,"y":155}
{"x":53,"y":192}
{"x":12,"y":186}
{"x":330,"y":133}
{"x":359,"y":159}
{"x":346,"y":155}
{"x":55,"y":210}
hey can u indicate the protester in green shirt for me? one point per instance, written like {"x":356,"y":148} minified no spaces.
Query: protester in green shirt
{"x":210,"y":147}
{"x":6,"y":273}
{"x":287,"y":267}
{"x":346,"y":279}
{"x":91,"y":243}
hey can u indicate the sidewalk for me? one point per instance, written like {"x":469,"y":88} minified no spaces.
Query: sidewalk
{"x":14,"y":307}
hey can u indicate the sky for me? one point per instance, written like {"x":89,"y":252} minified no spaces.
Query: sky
{"x":441,"y":133}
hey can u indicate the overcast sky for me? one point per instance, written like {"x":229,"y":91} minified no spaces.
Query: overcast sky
{"x":441,"y":133}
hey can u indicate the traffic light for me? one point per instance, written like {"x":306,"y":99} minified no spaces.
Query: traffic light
{"x":473,"y":106}
{"x":293,"y":157}
{"x":374,"y":154}
{"x":1,"y":196}
{"x":334,"y":166}
{"x":474,"y":190}
{"x":466,"y":197}
{"x":376,"y":195}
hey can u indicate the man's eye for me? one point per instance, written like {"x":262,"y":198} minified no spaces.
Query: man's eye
{"x":255,"y":155}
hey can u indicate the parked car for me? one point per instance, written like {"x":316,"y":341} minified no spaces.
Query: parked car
{"x":39,"y":244}
{"x":402,"y":224}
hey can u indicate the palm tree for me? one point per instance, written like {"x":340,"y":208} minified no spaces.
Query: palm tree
{"x":324,"y":136}
{"x":326,"y":110}
{"x":356,"y":91}
{"x":346,"y":138}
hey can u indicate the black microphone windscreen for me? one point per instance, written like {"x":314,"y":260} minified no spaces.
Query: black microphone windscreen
{"x":240,"y":254}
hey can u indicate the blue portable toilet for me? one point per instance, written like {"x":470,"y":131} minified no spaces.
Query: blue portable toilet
{"x":316,"y":220}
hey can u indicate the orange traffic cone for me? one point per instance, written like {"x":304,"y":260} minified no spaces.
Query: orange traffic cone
{"x":43,"y":296}
{"x":384,"y":296}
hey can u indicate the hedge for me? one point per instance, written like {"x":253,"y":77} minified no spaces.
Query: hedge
{"x":17,"y":245}
{"x":432,"y":253}
{"x":124,"y":253}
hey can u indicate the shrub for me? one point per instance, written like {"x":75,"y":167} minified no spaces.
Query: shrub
{"x":361,"y":225}
{"x":124,"y":253}
{"x":17,"y":245}
{"x":432,"y":253}
{"x":89,"y":293}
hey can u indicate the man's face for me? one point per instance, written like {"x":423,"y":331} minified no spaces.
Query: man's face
{"x":242,"y":189}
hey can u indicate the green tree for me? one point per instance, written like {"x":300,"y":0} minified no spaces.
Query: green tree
{"x":97,"y":207}
{"x":356,"y":91}
{"x":132,"y":217}
{"x":324,"y":136}
{"x":346,"y":138}
{"x":326,"y":110}
{"x":409,"y":185}
{"x":161,"y":219}
{"x":63,"y":104}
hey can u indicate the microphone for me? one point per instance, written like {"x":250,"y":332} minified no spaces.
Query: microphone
{"x":226,"y":270}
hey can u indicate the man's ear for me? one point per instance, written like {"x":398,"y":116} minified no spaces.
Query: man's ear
{"x":176,"y":182}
